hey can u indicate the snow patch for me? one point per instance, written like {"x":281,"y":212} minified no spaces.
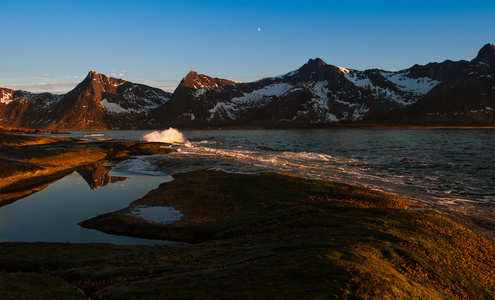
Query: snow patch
{"x":192,"y":116}
{"x":257,"y":98}
{"x":408,"y":89}
{"x":359,"y":113}
{"x":320,"y":89}
{"x":200,"y":92}
{"x":111,"y":107}
{"x":228,"y":108}
{"x":53,"y":100}
{"x":291,"y":73}
{"x":331,"y":118}
{"x":344,"y":70}
{"x":359,"y":80}
{"x":277,"y":89}
{"x":417,"y":86}
{"x":6,"y":97}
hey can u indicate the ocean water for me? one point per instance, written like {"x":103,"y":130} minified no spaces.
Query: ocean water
{"x":451,"y":170}
{"x":450,"y":166}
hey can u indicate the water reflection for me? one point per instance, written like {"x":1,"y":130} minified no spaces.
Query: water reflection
{"x":52,"y":214}
{"x":96,"y":175}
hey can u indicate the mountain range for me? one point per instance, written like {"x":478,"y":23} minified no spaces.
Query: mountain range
{"x":450,"y":93}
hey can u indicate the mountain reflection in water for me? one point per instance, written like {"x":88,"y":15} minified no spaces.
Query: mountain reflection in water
{"x":96,"y":175}
{"x":53,"y":213}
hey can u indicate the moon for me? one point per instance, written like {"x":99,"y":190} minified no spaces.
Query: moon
{"x":259,"y":29}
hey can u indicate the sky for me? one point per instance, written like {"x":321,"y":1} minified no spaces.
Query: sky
{"x":50,"y":46}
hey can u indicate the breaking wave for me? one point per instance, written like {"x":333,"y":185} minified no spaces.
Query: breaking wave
{"x":171,"y":136}
{"x":390,"y":167}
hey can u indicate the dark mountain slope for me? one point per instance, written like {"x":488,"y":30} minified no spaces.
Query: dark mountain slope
{"x":98,"y":102}
{"x":466,"y":97}
{"x":448,"y":93}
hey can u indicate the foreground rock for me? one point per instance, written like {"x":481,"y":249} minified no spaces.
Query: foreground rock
{"x":277,"y":236}
{"x":252,"y":236}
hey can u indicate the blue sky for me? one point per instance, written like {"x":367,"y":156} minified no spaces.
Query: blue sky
{"x":52,"y":45}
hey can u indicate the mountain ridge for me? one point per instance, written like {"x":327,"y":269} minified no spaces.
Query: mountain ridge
{"x":446,"y":93}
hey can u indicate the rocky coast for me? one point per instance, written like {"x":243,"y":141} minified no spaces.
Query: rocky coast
{"x":271,"y":236}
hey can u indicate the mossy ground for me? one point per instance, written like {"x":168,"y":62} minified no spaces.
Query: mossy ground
{"x":266,"y":236}
{"x":278,"y":237}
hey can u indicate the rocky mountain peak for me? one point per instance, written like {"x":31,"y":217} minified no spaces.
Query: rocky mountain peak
{"x":192,"y":74}
{"x":486,"y":54}
{"x":101,"y":82}
{"x":93,"y":75}
{"x":314,"y":67}
{"x":102,"y":78}
{"x":190,"y":78}
{"x":201,"y":81}
{"x":316,"y":93}
{"x":319,"y":62}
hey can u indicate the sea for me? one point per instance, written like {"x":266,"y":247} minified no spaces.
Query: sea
{"x":449,"y":170}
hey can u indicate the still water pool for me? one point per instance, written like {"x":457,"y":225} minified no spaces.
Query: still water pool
{"x":53,"y":214}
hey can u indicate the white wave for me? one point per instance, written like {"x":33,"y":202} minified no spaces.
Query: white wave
{"x":247,"y":160}
{"x":170,"y":136}
{"x":95,"y":137}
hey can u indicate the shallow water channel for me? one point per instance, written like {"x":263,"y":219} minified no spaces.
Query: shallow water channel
{"x":53,"y":214}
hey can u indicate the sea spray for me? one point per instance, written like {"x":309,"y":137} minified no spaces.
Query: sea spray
{"x":170,"y":136}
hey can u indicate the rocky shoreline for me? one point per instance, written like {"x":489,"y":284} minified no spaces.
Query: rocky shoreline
{"x":28,"y":163}
{"x":248,"y":236}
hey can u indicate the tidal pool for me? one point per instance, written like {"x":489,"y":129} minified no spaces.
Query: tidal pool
{"x":53,"y":214}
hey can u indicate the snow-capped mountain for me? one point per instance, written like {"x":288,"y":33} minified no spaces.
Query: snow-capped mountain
{"x":465,"y":97}
{"x":316,"y":93}
{"x":447,"y":93}
{"x":98,"y":102}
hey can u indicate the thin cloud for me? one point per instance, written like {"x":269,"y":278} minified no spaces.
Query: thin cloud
{"x":73,"y":77}
{"x":119,"y":73}
{"x":166,"y":88}
{"x":52,"y":87}
{"x":394,"y":62}
{"x":252,"y":78}
{"x":168,"y":85}
{"x":137,"y":79}
{"x":38,"y":78}
{"x":169,"y":80}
